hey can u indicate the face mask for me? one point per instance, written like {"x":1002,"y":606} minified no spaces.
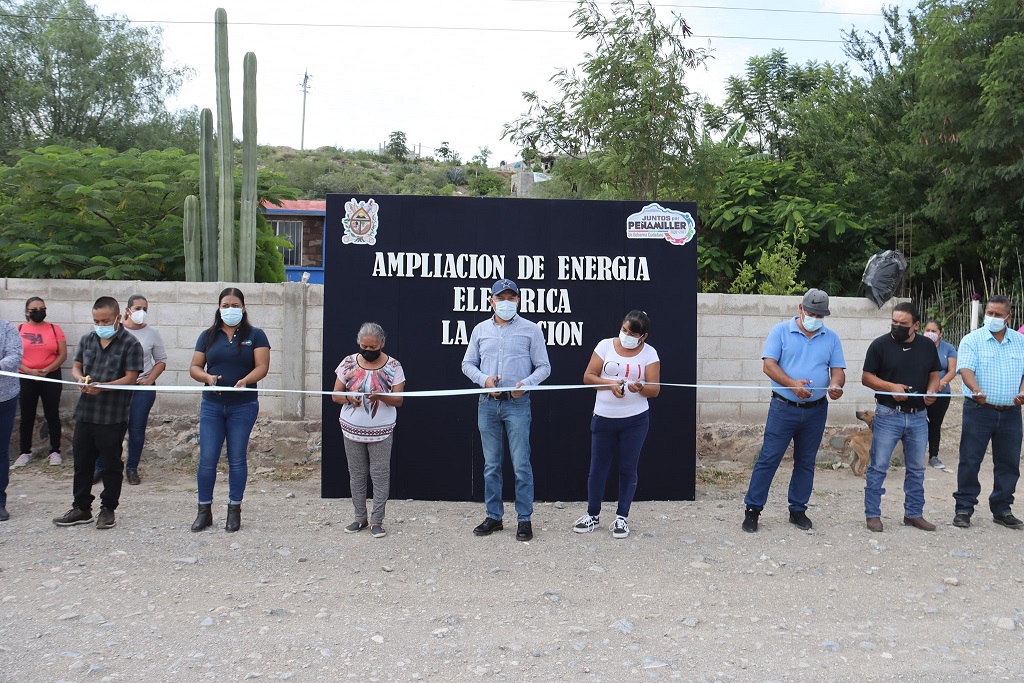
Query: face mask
{"x":370,"y":356}
{"x":813,"y":324}
{"x":506,"y":310}
{"x":933,"y":336}
{"x":138,"y":317}
{"x":231,"y":316}
{"x":900,"y":333}
{"x":993,"y":324}
{"x":37,"y":316}
{"x":105,"y":331}
{"x":627,"y":341}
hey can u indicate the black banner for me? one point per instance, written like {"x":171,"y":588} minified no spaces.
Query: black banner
{"x":422,"y":267}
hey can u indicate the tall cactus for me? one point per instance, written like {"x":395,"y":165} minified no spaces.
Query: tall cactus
{"x":226,"y":265}
{"x":208,"y":195}
{"x":248,"y":209}
{"x":190,"y":229}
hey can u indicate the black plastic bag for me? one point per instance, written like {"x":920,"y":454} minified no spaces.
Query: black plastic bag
{"x":883,"y":276}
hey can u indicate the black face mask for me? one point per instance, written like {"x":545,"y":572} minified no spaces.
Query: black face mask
{"x":900,"y":333}
{"x":37,"y":316}
{"x":369,"y":356}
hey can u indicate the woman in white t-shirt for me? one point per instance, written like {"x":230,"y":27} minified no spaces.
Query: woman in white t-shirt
{"x":626,"y":371}
{"x":367,"y":422}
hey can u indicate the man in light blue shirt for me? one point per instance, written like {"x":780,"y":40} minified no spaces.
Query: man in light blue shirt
{"x":506,"y":351}
{"x":10,"y":360}
{"x":991,"y":365}
{"x":805,"y":362}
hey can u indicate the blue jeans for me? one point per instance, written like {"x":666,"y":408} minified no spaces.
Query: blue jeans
{"x":889,"y":428}
{"x":497,"y":419}
{"x":7,"y":410}
{"x":1003,"y":429}
{"x":218,"y":421}
{"x":785,"y":423}
{"x":608,"y":436}
{"x":138,"y":420}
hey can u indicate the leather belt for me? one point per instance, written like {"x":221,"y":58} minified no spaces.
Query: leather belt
{"x":797,"y":404}
{"x":906,"y":410}
{"x":989,"y":405}
{"x":502,"y":396}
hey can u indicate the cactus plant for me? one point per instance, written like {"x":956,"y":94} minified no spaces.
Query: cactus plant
{"x":208,"y":196}
{"x":455,"y":176}
{"x":248,"y":208}
{"x":226,"y":264}
{"x":190,"y":229}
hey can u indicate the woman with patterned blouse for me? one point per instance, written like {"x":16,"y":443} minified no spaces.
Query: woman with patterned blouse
{"x":367,"y":422}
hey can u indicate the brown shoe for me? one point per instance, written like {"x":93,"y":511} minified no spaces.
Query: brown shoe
{"x":874,"y":523}
{"x":919,"y":522}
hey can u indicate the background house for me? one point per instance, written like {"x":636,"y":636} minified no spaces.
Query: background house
{"x":302,"y":222}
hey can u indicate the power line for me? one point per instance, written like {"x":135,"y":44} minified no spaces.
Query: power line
{"x":722,"y":7}
{"x":393,"y":27}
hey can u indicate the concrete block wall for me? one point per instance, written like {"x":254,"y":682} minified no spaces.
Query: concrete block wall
{"x":731,"y":329}
{"x":290,"y":313}
{"x":730,"y":338}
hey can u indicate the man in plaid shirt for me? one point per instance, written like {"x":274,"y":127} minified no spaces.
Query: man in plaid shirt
{"x":991,"y":365}
{"x":107,"y":356}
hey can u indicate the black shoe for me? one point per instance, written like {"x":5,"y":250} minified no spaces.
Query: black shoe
{"x":97,"y":477}
{"x":488,"y":527}
{"x":800,"y":519}
{"x":72,"y":517}
{"x":962,"y":520}
{"x":750,"y":519}
{"x":133,"y":477}
{"x":524,"y":532}
{"x":234,"y":520}
{"x":204,"y":518}
{"x":4,"y":516}
{"x":1008,"y":520}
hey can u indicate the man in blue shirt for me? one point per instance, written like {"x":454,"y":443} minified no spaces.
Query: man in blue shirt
{"x":505,"y":351}
{"x":804,"y":360}
{"x":992,"y":369}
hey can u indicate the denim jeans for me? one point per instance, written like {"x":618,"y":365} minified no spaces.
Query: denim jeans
{"x":7,"y":410}
{"x":608,"y":436}
{"x":138,"y":420}
{"x":889,"y":428}
{"x":1003,"y":429}
{"x":217,"y":422}
{"x":785,"y":423}
{"x":495,"y":420}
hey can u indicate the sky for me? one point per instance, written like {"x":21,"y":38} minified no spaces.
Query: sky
{"x":447,"y":70}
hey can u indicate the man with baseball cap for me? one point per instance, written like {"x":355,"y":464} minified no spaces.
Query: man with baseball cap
{"x":805,"y":362}
{"x":506,"y":351}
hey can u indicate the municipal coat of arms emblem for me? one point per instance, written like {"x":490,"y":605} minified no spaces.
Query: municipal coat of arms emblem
{"x":360,"y":222}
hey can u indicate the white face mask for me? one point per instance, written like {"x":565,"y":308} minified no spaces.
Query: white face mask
{"x":506,"y":310}
{"x":813,"y":324}
{"x":138,"y":317}
{"x":627,"y":341}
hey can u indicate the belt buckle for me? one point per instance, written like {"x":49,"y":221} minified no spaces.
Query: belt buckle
{"x":503,"y":396}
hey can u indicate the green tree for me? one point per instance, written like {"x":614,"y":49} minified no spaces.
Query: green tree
{"x":627,"y":118}
{"x":396,"y":146}
{"x":482,"y":156}
{"x":447,"y":155}
{"x":100,"y":214}
{"x":68,"y":74}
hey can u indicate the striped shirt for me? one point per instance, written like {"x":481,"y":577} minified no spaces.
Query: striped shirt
{"x":997,"y":366}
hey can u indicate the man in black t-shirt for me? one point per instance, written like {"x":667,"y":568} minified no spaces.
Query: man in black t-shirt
{"x":896,"y":365}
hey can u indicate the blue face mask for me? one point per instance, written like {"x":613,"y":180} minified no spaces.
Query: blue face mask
{"x":105,"y":331}
{"x":813,"y":324}
{"x":506,"y":310}
{"x":993,"y":324}
{"x":231,"y":316}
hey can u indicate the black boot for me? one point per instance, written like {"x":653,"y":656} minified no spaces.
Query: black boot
{"x":204,"y":518}
{"x":234,"y":521}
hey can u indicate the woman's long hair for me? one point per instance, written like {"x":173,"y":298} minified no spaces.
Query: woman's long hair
{"x":244,"y":328}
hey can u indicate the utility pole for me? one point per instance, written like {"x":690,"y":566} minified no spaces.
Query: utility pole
{"x":305,"y":90}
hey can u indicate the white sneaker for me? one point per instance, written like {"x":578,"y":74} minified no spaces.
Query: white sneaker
{"x":619,"y":527}
{"x":586,"y":524}
{"x":55,"y":458}
{"x":22,"y":460}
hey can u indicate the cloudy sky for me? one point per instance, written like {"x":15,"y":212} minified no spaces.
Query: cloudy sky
{"x":447,"y":70}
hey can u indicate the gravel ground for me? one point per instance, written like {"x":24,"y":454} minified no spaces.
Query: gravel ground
{"x":688,"y":596}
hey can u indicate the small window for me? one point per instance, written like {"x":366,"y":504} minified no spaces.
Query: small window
{"x":292,"y":231}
